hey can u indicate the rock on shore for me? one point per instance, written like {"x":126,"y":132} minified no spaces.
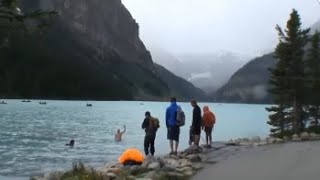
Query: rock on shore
{"x":181,"y":166}
{"x":185,"y":164}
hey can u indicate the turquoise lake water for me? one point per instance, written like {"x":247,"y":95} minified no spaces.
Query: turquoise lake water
{"x":33,"y":136}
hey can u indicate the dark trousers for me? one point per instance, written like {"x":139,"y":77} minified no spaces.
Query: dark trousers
{"x":149,"y":143}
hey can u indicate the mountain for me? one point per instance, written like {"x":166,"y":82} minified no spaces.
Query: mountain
{"x":249,"y":84}
{"x":206,"y":71}
{"x":92,"y":50}
{"x":315,"y":27}
{"x":211,"y":71}
{"x":179,"y":87}
{"x":167,"y":60}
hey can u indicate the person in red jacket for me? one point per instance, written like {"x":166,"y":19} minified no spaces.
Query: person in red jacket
{"x":208,"y":121}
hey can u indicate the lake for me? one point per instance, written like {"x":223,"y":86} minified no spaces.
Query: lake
{"x":33,"y":136}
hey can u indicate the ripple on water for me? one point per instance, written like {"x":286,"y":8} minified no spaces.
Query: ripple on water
{"x":33,"y":137}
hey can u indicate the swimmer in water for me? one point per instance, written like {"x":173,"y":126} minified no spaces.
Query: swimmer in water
{"x":118,"y":135}
{"x":71,"y":143}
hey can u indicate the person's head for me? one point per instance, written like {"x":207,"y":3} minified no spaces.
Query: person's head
{"x":193,"y":103}
{"x":147,"y":114}
{"x":118,"y":131}
{"x":71,"y":142}
{"x":173,"y":100}
{"x":205,"y":108}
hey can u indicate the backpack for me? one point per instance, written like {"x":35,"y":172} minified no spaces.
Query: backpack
{"x":208,"y":119}
{"x":181,"y":119}
{"x":154,"y":123}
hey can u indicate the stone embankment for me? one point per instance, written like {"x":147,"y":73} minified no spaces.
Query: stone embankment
{"x":186,"y":163}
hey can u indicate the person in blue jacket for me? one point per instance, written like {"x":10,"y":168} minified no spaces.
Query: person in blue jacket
{"x":173,"y":129}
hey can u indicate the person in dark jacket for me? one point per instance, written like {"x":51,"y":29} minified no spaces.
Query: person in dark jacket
{"x":196,"y":122}
{"x":150,"y":125}
{"x":173,"y":129}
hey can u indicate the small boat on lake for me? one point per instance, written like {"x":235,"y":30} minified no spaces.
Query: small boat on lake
{"x":42,"y":102}
{"x":26,"y":100}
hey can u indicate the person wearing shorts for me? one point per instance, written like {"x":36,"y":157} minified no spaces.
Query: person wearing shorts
{"x":173,"y":129}
{"x":196,"y":122}
{"x":208,"y":121}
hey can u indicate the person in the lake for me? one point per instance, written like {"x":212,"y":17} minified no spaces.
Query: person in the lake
{"x":150,"y":125}
{"x":118,"y":135}
{"x":208,"y":121}
{"x":173,"y":129}
{"x":71,"y":143}
{"x":196,"y":122}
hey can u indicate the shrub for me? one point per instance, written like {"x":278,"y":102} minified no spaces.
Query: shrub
{"x":79,"y":172}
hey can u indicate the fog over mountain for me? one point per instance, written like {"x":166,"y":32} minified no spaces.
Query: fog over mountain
{"x":206,"y":41}
{"x":211,"y":71}
{"x":250,"y":83}
{"x":206,"y":26}
{"x":206,"y":71}
{"x":315,"y":27}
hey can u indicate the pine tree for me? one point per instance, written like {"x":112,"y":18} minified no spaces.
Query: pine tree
{"x":287,"y":78}
{"x":296,"y":38}
{"x":279,"y":118}
{"x":313,"y":76}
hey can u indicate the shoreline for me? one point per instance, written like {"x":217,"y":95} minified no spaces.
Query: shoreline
{"x":189,"y":163}
{"x":185,"y":165}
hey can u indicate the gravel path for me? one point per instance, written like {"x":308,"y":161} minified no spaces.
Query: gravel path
{"x":294,"y":161}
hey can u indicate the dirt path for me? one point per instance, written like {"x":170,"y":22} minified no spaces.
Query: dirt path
{"x":294,"y":161}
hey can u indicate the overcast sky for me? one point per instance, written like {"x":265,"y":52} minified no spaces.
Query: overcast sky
{"x":206,"y":26}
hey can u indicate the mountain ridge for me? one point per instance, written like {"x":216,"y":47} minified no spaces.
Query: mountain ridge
{"x":249,"y":84}
{"x":207,"y":71}
{"x":241,"y":89}
{"x":92,"y":50}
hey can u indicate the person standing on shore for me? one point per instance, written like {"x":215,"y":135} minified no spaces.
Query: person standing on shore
{"x":196,"y":122}
{"x":173,"y":129}
{"x":208,"y":121}
{"x":150,"y":125}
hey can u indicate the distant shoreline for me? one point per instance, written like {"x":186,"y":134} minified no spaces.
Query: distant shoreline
{"x":93,"y":100}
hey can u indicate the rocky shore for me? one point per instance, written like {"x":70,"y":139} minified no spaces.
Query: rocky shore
{"x":181,"y":166}
{"x":184,"y":165}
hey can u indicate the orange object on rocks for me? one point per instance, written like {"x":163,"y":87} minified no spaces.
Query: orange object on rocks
{"x":131,"y":155}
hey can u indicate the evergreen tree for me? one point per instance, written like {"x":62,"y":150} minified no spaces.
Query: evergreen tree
{"x":278,"y":88}
{"x":296,"y":38}
{"x":313,"y":75}
{"x":287,"y":78}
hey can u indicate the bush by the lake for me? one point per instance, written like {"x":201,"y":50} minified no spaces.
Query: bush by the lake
{"x":80,"y":172}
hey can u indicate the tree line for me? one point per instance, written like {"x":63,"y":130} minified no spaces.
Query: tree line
{"x":295,"y":80}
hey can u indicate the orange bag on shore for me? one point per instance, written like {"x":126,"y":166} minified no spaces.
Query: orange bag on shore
{"x":131,"y":154}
